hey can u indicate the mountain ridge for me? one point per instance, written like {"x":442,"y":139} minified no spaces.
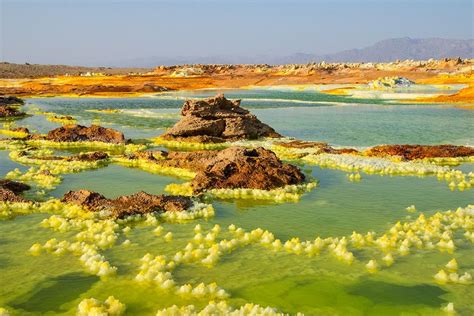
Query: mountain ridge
{"x":381,"y":51}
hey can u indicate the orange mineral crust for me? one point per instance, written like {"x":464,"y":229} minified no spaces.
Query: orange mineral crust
{"x":189,"y":77}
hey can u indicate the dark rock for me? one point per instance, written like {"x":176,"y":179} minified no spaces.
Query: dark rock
{"x":138,"y":203}
{"x":238,"y":167}
{"x":410,"y":152}
{"x":21,"y":129}
{"x":14,"y":186}
{"x":220,"y":120}
{"x":77,"y":133}
{"x":11,"y":101}
{"x":93,"y":156}
{"x":152,"y":155}
{"x":235,"y":167}
{"x":8,"y":111}
{"x":10,"y":196}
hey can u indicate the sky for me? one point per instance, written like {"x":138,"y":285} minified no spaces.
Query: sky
{"x":98,"y":32}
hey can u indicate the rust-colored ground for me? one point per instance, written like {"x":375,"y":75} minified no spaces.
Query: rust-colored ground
{"x":241,"y":76}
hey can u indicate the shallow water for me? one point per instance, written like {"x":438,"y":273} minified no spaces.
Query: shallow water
{"x":319,"y":285}
{"x":339,"y":120}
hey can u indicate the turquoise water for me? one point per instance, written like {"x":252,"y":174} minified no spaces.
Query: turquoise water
{"x":353,"y":122}
{"x":320,"y":285}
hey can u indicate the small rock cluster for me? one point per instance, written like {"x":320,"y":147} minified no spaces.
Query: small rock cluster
{"x":10,"y":190}
{"x":78,"y":133}
{"x":138,"y":203}
{"x":7,"y":108}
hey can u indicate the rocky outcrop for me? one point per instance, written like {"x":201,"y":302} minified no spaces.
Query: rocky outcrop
{"x":8,"y":111}
{"x":238,"y":167}
{"x":16,"y":187}
{"x":410,"y":152}
{"x":93,"y":156}
{"x":234,"y":167}
{"x":10,"y":196}
{"x":149,"y":155}
{"x":216,"y":120}
{"x":7,"y":108}
{"x":20,"y":130}
{"x":79,"y":133}
{"x":10,"y":190}
{"x":138,"y":203}
{"x":11,"y":101}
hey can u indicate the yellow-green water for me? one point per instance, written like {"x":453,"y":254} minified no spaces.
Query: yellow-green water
{"x":319,"y":285}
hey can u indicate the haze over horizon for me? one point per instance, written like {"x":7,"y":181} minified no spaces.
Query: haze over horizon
{"x":115,"y":31}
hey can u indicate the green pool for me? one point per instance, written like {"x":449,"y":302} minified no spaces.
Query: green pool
{"x":290,"y":283}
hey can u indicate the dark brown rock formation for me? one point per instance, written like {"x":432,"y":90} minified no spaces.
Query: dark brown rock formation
{"x":410,"y":152}
{"x":138,"y":203}
{"x":11,"y":101}
{"x":9,"y":191}
{"x":234,"y":167}
{"x":78,"y":133}
{"x":93,"y":156}
{"x":238,"y":167}
{"x":152,"y":155}
{"x":10,"y":196}
{"x":16,"y":187}
{"x":21,"y":130}
{"x":216,"y":120}
{"x":8,"y":111}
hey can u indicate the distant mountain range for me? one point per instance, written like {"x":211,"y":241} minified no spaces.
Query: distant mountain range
{"x":383,"y":51}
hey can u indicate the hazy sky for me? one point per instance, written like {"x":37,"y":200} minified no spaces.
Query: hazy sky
{"x":100,"y":31}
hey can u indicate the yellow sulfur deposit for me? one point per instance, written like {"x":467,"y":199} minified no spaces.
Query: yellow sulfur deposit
{"x":155,"y":168}
{"x":289,"y":193}
{"x":39,"y":176}
{"x":7,"y":144}
{"x":47,"y":174}
{"x":447,"y":161}
{"x":127,"y":148}
{"x":168,"y":237}
{"x":198,"y":210}
{"x":177,"y":145}
{"x":219,"y":308}
{"x":382,"y":166}
{"x":372,"y":266}
{"x":110,"y":307}
{"x":185,"y":189}
{"x":449,"y":309}
{"x":452,"y":265}
{"x":15,"y":134}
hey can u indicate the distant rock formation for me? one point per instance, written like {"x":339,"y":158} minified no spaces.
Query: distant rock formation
{"x":410,"y":152}
{"x":79,"y":133}
{"x":216,"y":120}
